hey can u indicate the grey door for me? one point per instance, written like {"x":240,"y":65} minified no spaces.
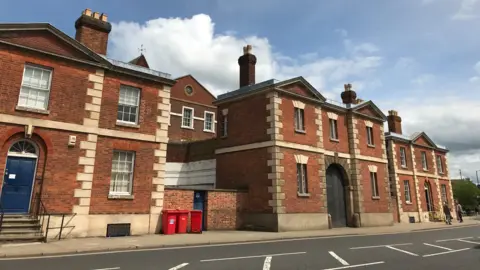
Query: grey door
{"x":336,"y":197}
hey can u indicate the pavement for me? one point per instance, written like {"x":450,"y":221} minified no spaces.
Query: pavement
{"x":406,"y":246}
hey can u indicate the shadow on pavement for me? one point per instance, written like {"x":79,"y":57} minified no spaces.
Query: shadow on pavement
{"x":476,"y":247}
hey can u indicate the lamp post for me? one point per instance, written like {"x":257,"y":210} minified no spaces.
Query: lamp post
{"x":476,"y":172}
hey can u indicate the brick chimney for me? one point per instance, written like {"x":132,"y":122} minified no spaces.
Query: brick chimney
{"x":349,"y":96}
{"x":394,"y":122}
{"x":92,"y":30}
{"x":247,"y":66}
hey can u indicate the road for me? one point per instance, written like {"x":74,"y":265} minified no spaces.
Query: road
{"x":457,"y":248}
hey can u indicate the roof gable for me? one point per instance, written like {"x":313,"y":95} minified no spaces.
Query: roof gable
{"x":421,"y":138}
{"x":369,"y":108}
{"x":300,"y":86}
{"x":140,"y":61}
{"x":200,"y":93}
{"x":46,"y":38}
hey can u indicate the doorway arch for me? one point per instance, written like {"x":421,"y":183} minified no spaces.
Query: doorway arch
{"x":19,"y":176}
{"x":429,"y":197}
{"x":336,"y":197}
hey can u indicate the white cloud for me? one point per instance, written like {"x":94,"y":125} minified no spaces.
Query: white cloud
{"x":191,"y":45}
{"x":477,"y":67}
{"x":467,"y":10}
{"x":474,"y":79}
{"x":423,"y":79}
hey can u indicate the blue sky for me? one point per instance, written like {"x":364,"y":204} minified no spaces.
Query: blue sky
{"x":416,"y":56}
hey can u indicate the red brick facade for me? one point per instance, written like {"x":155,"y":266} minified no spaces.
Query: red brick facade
{"x":419,"y":174}
{"x":74,"y":129}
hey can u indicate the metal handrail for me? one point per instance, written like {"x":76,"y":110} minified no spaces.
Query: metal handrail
{"x":41,"y":213}
{"x":2,"y":213}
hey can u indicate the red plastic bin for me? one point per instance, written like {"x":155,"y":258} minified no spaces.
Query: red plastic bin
{"x":169,"y":221}
{"x":182,"y":221}
{"x":196,"y":221}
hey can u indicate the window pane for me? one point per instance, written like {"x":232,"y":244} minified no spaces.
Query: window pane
{"x":122,"y":172}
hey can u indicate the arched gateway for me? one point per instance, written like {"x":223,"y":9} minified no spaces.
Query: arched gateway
{"x":336,"y":200}
{"x":18,"y":177}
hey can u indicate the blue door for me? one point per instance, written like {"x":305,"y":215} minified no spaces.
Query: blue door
{"x":17,"y":184}
{"x":199,"y":204}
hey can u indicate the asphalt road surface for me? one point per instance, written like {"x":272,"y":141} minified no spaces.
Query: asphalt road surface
{"x":456,"y":248}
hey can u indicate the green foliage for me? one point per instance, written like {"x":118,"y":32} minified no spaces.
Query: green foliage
{"x":466,"y":193}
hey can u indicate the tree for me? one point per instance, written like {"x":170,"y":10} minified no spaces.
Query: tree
{"x":466,"y":192}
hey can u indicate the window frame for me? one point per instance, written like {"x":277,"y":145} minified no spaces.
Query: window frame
{"x":407,"y":190}
{"x":132,"y":173}
{"x":443,"y":191}
{"x":333,"y":129}
{"x":424,"y":161}
{"x":47,"y":98}
{"x":374,"y":185}
{"x":205,"y":121}
{"x":370,"y":140}
{"x":439,"y":162}
{"x":403,"y":158}
{"x":192,"y":119}
{"x":299,"y":119}
{"x":302,"y":179}
{"x":137,"y":111}
{"x":225,"y":125}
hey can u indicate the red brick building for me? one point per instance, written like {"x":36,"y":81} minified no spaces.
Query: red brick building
{"x":81,"y":134}
{"x":419,"y":173}
{"x":304,"y":160}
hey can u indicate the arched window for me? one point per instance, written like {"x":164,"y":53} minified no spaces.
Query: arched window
{"x":23,"y":148}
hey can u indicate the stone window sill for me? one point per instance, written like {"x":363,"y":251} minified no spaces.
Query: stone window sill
{"x":32,"y":110}
{"x":425,"y":170}
{"x":120,"y":197}
{"x":371,"y":145}
{"x":130,"y":125}
{"x":375,"y":197}
{"x":409,"y":203}
{"x":334,"y":140}
{"x":300,"y":131}
{"x":209,"y":131}
{"x":404,"y":167}
{"x":185,"y":127}
{"x":303,"y":195}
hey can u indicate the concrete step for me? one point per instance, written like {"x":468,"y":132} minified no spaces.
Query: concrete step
{"x":20,"y":238}
{"x":18,"y":225}
{"x":9,"y":220}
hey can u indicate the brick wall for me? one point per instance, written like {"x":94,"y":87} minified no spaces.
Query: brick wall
{"x":375,"y":205}
{"x":246,"y":121}
{"x":68,"y":86}
{"x":412,"y":205}
{"x":408,"y":154}
{"x":331,"y":145}
{"x":224,"y":209}
{"x":142,"y":177}
{"x":288,"y":129}
{"x":293,"y":202}
{"x":57,"y":165}
{"x":418,"y":159}
{"x":365,"y":149}
{"x":177,"y":133}
{"x":252,"y":174}
{"x":147,"y":111}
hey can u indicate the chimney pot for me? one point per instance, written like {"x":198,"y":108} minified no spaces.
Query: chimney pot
{"x":92,"y":31}
{"x":87,"y":12}
{"x":103,"y":17}
{"x":348,"y":95}
{"x":247,"y":64}
{"x":394,"y":122}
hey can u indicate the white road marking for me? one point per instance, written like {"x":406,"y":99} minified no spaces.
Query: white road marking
{"x":255,"y":256}
{"x":111,"y":268}
{"x":267,"y":263}
{"x":354,"y":266}
{"x":470,"y":242}
{"x":178,"y":266}
{"x":401,"y":250}
{"x":405,"y":244}
{"x":141,"y":249}
{"x":453,"y":239}
{"x":445,"y":252}
{"x":342,"y":261}
{"x":427,"y":244}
